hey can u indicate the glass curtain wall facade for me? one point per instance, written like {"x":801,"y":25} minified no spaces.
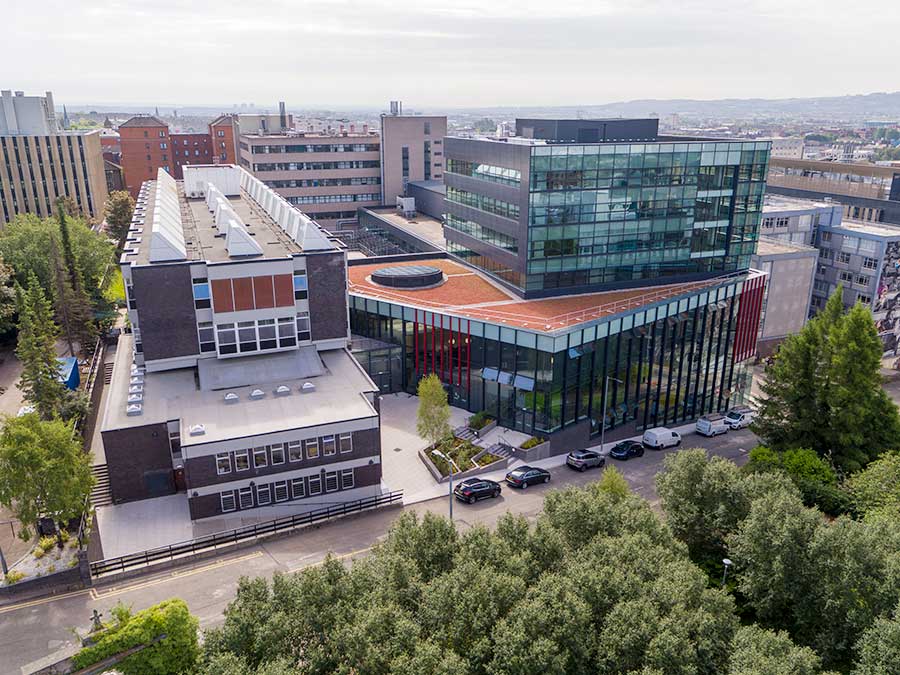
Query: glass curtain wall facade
{"x":667,"y":364}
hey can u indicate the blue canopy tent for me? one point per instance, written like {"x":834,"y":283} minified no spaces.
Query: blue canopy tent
{"x":68,"y":372}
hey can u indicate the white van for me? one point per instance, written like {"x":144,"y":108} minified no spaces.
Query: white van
{"x":712,"y":425}
{"x":739,"y":418}
{"x":660,"y":437}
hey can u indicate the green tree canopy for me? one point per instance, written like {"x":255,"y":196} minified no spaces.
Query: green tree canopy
{"x":7,"y":298}
{"x":756,"y":651}
{"x":879,"y":648}
{"x":43,"y":471}
{"x":433,"y":421}
{"x":824,"y":391}
{"x":118,"y":211}
{"x":878,"y":485}
{"x":36,"y":349}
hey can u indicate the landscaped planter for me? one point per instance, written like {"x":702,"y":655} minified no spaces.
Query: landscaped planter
{"x":425,"y":456}
{"x":532,"y":454}
{"x":480,"y":433}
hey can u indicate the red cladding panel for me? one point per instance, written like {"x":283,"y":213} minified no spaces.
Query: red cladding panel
{"x":284,"y":290}
{"x":748,"y":318}
{"x":221,"y":292}
{"x":263,"y":292}
{"x":243,"y":294}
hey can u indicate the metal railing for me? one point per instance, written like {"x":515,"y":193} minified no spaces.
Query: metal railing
{"x":238,"y":535}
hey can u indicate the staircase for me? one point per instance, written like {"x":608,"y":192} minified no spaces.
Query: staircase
{"x":501,"y":450}
{"x":108,"y":372}
{"x":100,"y":494}
{"x":466,"y":434}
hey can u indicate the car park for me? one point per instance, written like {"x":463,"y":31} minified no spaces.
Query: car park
{"x":585,"y":459}
{"x":471,"y":490}
{"x":712,"y":425}
{"x":523,"y":476}
{"x":660,"y":437}
{"x":740,"y":418}
{"x":626,"y":450}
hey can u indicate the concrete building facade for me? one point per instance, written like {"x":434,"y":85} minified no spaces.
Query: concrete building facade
{"x":411,"y":150}
{"x":235,"y":386}
{"x":27,"y":115}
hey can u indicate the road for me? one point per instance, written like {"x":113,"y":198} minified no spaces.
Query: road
{"x":30,"y":631}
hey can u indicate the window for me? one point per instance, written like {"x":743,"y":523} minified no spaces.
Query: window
{"x":227,"y":500}
{"x":277,"y":451}
{"x":267,"y":331}
{"x":223,"y":463}
{"x":331,"y":481}
{"x":245,"y":497}
{"x":281,"y":491}
{"x":287,"y":332}
{"x":862,"y":280}
{"x":260,"y":458}
{"x":826,"y":236}
{"x":263,"y":496}
{"x":328,"y":446}
{"x":427,"y":128}
{"x":295,"y":451}
{"x":298,"y":488}
{"x":346,"y":479}
{"x":864,"y":299}
{"x":315,"y":485}
{"x":241,"y":460}
{"x":301,"y":291}
{"x":346,"y":442}
{"x":162,"y":146}
{"x":162,"y":134}
{"x":247,"y":336}
{"x":768,"y":223}
{"x":870,"y":263}
{"x":825,"y":254}
{"x":843,"y":257}
{"x":227,"y":338}
{"x":206,"y":335}
{"x":303,"y":332}
{"x":220,"y":134}
{"x":846,"y":276}
{"x":312,"y":448}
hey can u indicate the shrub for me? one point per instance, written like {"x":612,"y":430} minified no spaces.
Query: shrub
{"x":532,"y":442}
{"x":480,"y":420}
{"x":51,"y":569}
{"x":46,"y":543}
{"x":39,"y":553}
{"x":14,"y":577}
{"x":64,"y":535}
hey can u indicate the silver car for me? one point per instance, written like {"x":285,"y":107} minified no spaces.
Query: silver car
{"x":585,"y":459}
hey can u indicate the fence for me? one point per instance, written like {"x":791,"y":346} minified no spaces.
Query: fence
{"x":236,"y":536}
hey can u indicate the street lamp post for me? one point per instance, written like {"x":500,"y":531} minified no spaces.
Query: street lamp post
{"x":727,"y":563}
{"x":438,"y":453}
{"x":603,"y":419}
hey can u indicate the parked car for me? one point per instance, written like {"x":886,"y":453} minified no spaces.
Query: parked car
{"x":660,"y":437}
{"x":739,"y":418}
{"x":472,"y":489}
{"x":524,"y":476}
{"x":712,"y":425}
{"x":585,"y":459}
{"x":626,"y":450}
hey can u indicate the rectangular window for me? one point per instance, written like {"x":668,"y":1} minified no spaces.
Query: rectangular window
{"x":277,"y":450}
{"x":846,"y":276}
{"x":227,"y":500}
{"x":226,"y":338}
{"x":295,"y":451}
{"x":312,"y":448}
{"x":223,"y":463}
{"x":346,"y":479}
{"x":843,"y":257}
{"x":267,"y":332}
{"x":206,"y":335}
{"x":315,"y":484}
{"x":864,"y":299}
{"x":201,"y":294}
{"x":281,"y":491}
{"x":245,"y":497}
{"x":287,"y":332}
{"x":826,"y":236}
{"x":862,"y":280}
{"x":220,"y":134}
{"x":298,"y":488}
{"x":870,"y":263}
{"x":247,"y":336}
{"x":303,"y":331}
{"x":301,"y":291}
{"x":328,"y":446}
{"x":346,"y":441}
{"x":331,"y":481}
{"x":241,"y":460}
{"x":259,"y":458}
{"x":263,"y":495}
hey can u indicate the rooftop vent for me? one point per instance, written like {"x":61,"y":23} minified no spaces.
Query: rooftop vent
{"x":283,"y":390}
{"x":136,"y":389}
{"x":197,"y":430}
{"x":257,"y":394}
{"x":408,"y":276}
{"x":137,"y":379}
{"x":307,"y":388}
{"x":134,"y":409}
{"x":231,"y":397}
{"x":135,"y":398}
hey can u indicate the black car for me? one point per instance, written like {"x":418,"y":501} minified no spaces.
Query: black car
{"x":627,"y":450}
{"x":585,"y":459}
{"x":472,"y":489}
{"x":524,"y":476}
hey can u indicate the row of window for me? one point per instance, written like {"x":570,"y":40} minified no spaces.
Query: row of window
{"x":485,"y":234}
{"x":850,"y":278}
{"x":282,"y":491}
{"x":770,"y":223}
{"x":202,"y":293}
{"x":495,"y":174}
{"x":277,"y":453}
{"x":324,"y":182}
{"x":328,"y":147}
{"x":483,"y":203}
{"x":333,"y":199}
{"x":318,"y":166}
{"x":253,"y":336}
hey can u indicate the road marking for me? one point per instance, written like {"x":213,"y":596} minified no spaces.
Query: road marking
{"x":343,"y":556}
{"x":172,"y":577}
{"x":43,"y":601}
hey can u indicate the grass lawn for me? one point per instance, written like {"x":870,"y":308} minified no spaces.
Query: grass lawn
{"x":115,"y":288}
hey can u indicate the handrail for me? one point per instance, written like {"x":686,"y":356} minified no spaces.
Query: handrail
{"x":237,"y":535}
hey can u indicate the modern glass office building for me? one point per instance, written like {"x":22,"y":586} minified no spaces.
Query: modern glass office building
{"x":547,"y":213}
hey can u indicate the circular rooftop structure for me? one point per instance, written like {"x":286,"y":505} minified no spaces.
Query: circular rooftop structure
{"x":408,"y":276}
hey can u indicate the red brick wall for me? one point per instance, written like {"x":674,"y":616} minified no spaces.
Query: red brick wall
{"x":144,"y":151}
{"x":223,"y":147}
{"x":189,"y":149}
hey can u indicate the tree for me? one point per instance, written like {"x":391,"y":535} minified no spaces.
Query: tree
{"x":118,"y":212}
{"x":756,"y":651}
{"x":44,"y":471}
{"x":73,"y":306}
{"x":878,"y":486}
{"x":824,"y":391}
{"x":36,"y":349}
{"x":433,"y":422}
{"x":879,"y":648}
{"x":7,"y":298}
{"x":69,"y":206}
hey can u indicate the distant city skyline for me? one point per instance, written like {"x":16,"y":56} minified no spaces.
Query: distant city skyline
{"x":439,"y":54}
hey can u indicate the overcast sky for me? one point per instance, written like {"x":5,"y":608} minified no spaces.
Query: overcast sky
{"x":454,"y":53}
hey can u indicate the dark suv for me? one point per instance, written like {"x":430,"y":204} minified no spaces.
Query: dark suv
{"x":585,"y":459}
{"x":627,"y":450}
{"x":472,"y":489}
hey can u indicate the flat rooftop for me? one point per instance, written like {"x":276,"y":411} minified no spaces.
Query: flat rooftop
{"x":339,"y":395}
{"x":773,"y":203}
{"x":865,"y":227}
{"x":422,"y":226}
{"x":771,"y":246}
{"x":467,"y":293}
